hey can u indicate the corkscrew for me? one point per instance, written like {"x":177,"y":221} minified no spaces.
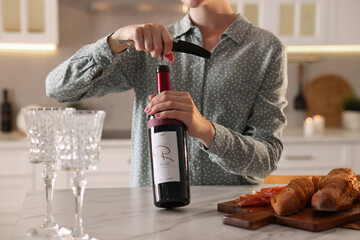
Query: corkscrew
{"x":190,"y":48}
{"x":181,"y":46}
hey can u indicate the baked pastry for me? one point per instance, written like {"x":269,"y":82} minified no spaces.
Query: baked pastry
{"x":296,"y":195}
{"x":338,"y":191}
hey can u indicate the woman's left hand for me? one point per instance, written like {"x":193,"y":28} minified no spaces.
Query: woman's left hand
{"x":180,"y":106}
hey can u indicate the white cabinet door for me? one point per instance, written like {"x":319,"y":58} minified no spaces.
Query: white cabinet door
{"x":344,"y":22}
{"x":300,"y":22}
{"x":295,"y":22}
{"x":29,"y":21}
{"x":15,"y":161}
{"x":16,"y":176}
{"x":252,"y":10}
{"x":114,"y":167}
{"x":314,"y":158}
{"x":305,"y":22}
{"x":13,"y":192}
{"x":356,"y":158}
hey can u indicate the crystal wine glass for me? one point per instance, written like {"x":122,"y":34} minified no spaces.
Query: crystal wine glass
{"x":78,"y":138}
{"x":41,"y":140}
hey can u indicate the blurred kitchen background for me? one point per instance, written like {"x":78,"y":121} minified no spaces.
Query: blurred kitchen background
{"x":83,"y":22}
{"x":323,"y":39}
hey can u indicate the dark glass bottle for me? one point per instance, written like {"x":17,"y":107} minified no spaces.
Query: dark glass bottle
{"x":6,"y":113}
{"x":168,"y":153}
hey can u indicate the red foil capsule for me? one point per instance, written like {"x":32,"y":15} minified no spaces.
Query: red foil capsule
{"x":163,"y":78}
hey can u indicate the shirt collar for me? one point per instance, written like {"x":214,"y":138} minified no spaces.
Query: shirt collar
{"x":183,"y":26}
{"x":236,"y":31}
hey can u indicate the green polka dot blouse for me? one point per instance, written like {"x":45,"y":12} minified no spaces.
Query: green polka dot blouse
{"x":240,"y":89}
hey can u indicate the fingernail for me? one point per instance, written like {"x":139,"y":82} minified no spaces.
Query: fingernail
{"x":146,"y":109}
{"x":157,"y":115}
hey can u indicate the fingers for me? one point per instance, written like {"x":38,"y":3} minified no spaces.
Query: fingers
{"x":138,"y":39}
{"x":174,"y":114}
{"x":173,"y":92}
{"x":151,"y":96}
{"x":180,"y":106}
{"x":168,"y":106}
{"x":158,"y":44}
{"x":167,"y":40}
{"x":153,"y":38}
{"x":169,"y":100}
{"x":169,"y":57}
{"x":167,"y":96}
{"x":148,"y":39}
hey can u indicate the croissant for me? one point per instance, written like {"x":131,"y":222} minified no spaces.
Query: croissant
{"x":338,"y":191}
{"x":296,"y":195}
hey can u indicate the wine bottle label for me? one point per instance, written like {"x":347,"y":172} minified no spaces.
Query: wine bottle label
{"x":165,"y":157}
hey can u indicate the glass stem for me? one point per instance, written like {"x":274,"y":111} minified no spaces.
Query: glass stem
{"x":78,"y":188}
{"x":49,"y":176}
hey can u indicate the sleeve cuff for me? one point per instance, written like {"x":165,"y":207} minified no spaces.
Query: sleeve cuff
{"x":102,"y":52}
{"x":220,"y":144}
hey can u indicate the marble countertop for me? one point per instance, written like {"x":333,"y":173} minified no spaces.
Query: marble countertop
{"x":129,"y":213}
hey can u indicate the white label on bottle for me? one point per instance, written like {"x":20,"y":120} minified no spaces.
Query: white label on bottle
{"x":165,"y":157}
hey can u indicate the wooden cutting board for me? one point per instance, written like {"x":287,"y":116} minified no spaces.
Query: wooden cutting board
{"x":307,"y":219}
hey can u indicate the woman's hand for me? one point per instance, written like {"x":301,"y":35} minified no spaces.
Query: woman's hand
{"x":150,"y":37}
{"x":180,"y":106}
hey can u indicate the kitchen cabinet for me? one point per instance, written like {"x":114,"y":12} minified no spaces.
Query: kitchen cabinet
{"x":357,"y":157}
{"x":318,"y":154}
{"x":29,"y":21}
{"x":343,"y":23}
{"x":114,"y":168}
{"x":13,"y":191}
{"x":315,"y":158}
{"x":305,"y":22}
{"x":18,"y":175}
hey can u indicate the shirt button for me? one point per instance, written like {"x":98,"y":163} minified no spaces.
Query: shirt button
{"x":196,"y":166}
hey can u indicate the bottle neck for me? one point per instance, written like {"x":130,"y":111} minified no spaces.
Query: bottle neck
{"x":5,"y":95}
{"x":163,"y":81}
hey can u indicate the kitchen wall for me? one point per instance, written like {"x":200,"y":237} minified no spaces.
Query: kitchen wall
{"x":24,"y":73}
{"x":347,"y":66}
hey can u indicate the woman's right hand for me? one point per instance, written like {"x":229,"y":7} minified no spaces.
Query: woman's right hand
{"x":150,"y":37}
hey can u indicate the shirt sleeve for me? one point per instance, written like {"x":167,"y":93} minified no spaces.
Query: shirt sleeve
{"x":254,"y":153}
{"x":73,"y":80}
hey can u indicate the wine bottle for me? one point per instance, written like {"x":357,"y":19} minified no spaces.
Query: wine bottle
{"x":168,"y":153}
{"x":6,"y":113}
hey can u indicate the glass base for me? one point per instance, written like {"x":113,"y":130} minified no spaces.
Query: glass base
{"x":84,"y":237}
{"x":52,"y":231}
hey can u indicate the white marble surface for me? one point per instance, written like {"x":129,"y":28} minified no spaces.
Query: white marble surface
{"x":129,"y":213}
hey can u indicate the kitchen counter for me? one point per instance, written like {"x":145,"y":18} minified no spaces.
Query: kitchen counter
{"x":291,"y":134}
{"x":329,"y":135}
{"x":12,"y":139}
{"x":18,"y":139}
{"x":129,"y":213}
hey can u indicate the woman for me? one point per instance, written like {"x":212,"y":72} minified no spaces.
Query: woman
{"x":231,"y":104}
